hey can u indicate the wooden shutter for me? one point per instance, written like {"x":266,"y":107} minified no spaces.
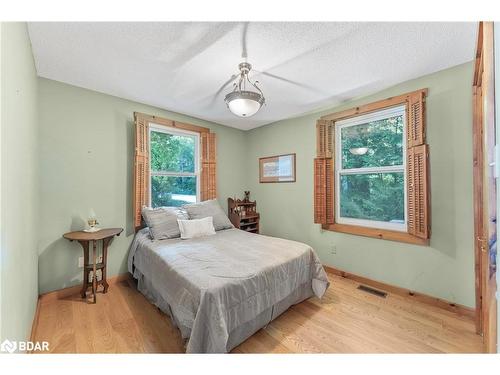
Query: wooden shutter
{"x":323,"y":191}
{"x":208,"y":183}
{"x":418,"y":194}
{"x":324,"y":210}
{"x":324,"y":139}
{"x":416,"y":119}
{"x":141,"y":168}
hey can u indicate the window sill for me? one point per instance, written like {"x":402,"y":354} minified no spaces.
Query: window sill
{"x":382,"y":234}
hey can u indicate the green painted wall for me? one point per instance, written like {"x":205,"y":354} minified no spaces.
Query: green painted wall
{"x":445,"y":269}
{"x":86,"y":161}
{"x":19,"y":179}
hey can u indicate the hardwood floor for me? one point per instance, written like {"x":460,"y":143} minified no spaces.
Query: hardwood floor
{"x":346,"y":320}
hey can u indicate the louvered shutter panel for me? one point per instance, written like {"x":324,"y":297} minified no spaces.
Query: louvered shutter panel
{"x":416,"y":119}
{"x":141,"y":168}
{"x":324,"y":139}
{"x":324,"y":210}
{"x":418,"y":194}
{"x":208,"y":183}
{"x":418,"y":191}
{"x":319,"y":191}
{"x":323,"y":191}
{"x":410,"y":188}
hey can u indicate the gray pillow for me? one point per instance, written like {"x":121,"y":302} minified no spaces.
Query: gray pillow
{"x":162,"y":221}
{"x":206,"y":209}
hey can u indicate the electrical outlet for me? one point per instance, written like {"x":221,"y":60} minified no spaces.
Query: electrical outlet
{"x":80,"y":262}
{"x":98,"y":275}
{"x":333,"y":250}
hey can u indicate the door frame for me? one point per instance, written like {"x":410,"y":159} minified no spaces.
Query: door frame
{"x":483,"y":117}
{"x":478,"y":174}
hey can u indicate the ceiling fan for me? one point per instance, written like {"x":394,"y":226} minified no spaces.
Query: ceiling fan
{"x":247,"y":98}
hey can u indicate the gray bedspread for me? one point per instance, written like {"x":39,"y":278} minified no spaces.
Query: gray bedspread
{"x":217,"y":283}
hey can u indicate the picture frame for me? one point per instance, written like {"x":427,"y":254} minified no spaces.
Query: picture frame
{"x":277,"y":168}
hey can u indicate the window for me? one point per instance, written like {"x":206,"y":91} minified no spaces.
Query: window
{"x":371,"y":175}
{"x":175,"y":171}
{"x":174,"y":163}
{"x":370,"y":170}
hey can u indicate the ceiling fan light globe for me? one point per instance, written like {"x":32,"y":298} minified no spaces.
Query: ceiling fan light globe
{"x":243,"y":107}
{"x":244,"y":103}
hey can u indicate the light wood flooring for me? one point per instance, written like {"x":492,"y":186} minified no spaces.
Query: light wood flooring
{"x":346,"y":320}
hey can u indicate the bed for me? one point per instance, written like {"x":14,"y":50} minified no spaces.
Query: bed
{"x":221,"y":289}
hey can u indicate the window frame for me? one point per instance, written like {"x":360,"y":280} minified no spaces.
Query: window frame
{"x":380,"y":114}
{"x":158,"y":128}
{"x":418,"y":171}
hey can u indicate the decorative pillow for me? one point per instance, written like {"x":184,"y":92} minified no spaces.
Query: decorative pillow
{"x":196,"y":228}
{"x":162,"y":221}
{"x":209,"y":208}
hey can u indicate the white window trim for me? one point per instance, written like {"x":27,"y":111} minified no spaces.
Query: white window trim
{"x":358,"y":120}
{"x":162,"y":129}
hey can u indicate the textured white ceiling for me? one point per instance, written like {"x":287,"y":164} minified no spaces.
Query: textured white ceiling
{"x":180,"y":66}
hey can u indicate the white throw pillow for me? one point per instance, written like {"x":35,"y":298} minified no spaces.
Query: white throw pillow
{"x":196,"y":227}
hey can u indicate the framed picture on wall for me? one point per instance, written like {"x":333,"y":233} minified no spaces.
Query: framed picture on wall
{"x":279,"y":168}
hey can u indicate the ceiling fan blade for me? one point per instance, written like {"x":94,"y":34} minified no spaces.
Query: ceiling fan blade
{"x":292,"y":82}
{"x":244,"y":53}
{"x":217,"y":93}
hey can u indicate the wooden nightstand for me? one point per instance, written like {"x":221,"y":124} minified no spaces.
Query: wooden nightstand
{"x":85,"y":239}
{"x":243,"y":214}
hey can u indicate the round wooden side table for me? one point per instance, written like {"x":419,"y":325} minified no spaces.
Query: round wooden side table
{"x":91,"y":238}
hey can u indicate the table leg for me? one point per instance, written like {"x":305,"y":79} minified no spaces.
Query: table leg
{"x":105,"y":244}
{"x":94,"y":276}
{"x":85,"y":245}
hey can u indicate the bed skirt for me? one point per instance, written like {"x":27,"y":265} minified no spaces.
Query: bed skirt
{"x":242,"y":332}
